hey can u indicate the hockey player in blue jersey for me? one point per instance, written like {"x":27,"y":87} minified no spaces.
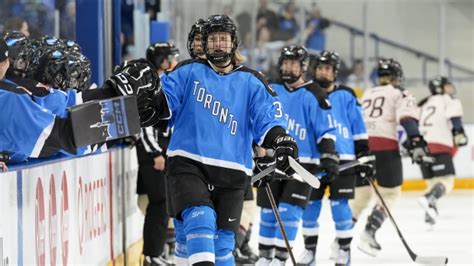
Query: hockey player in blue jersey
{"x":352,"y":142}
{"x":219,"y":108}
{"x":308,"y":114}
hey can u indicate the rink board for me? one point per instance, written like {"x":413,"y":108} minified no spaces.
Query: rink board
{"x":83,"y":210}
{"x":70,"y":212}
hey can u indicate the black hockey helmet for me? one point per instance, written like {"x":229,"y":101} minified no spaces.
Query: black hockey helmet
{"x":53,"y":42}
{"x":436,"y":85}
{"x":158,"y":52}
{"x":53,"y":69}
{"x":329,"y":58}
{"x":196,"y":28}
{"x":293,"y":52}
{"x":72,"y":46}
{"x":20,"y":50}
{"x":220,"y":23}
{"x":79,"y":68}
{"x":390,"y":67}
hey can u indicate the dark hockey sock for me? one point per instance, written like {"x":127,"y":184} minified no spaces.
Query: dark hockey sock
{"x":248,"y":234}
{"x":310,"y":242}
{"x":266,"y":251}
{"x":354,"y":220}
{"x":344,"y":243}
{"x":375,"y":219}
{"x":281,"y":253}
{"x":240,"y":237}
{"x":435,"y":193}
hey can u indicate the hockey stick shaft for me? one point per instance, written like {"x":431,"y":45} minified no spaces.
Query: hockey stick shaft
{"x":413,"y":255}
{"x":280,"y":222}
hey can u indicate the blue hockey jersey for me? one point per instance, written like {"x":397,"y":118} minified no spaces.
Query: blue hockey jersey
{"x":307,"y":121}
{"x":25,"y":124}
{"x":217,"y":117}
{"x":348,"y":121}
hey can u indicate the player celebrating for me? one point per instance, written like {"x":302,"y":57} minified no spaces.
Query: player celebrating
{"x":308,"y":114}
{"x":384,"y":107}
{"x":351,"y":143}
{"x":441,"y":124}
{"x":218,"y":109}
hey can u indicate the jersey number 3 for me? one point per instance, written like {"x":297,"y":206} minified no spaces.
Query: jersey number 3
{"x":375,"y":106}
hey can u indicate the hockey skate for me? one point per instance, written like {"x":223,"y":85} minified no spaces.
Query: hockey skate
{"x":343,"y":257}
{"x":263,"y":262}
{"x":307,"y":258}
{"x":334,"y":249}
{"x":246,"y":250}
{"x":277,"y":262}
{"x":431,"y":212}
{"x":242,"y":259}
{"x":368,"y":244}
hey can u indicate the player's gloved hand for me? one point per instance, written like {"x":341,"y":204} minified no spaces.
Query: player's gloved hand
{"x":136,"y":77}
{"x":285,"y":146}
{"x":261,"y":163}
{"x":418,"y":149}
{"x":459,"y":137}
{"x":330,"y":166}
{"x":148,"y":107}
{"x":366,"y":170}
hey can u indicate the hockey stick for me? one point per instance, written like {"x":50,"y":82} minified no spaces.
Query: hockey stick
{"x":280,"y":222}
{"x":416,"y":258}
{"x":303,"y":175}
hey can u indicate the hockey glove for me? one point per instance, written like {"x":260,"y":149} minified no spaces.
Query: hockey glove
{"x":261,"y":163}
{"x":366,"y":170}
{"x":330,"y":166}
{"x":285,"y":146}
{"x":459,"y":137}
{"x":136,"y":77}
{"x":418,"y":149}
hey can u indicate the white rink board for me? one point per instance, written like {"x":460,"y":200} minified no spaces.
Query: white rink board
{"x":67,"y":212}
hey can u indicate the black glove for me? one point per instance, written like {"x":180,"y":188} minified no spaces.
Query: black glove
{"x":366,"y":170}
{"x":418,"y":149}
{"x":459,"y":137}
{"x":330,"y":166}
{"x":261,"y":163}
{"x":136,"y":77}
{"x":285,"y":146}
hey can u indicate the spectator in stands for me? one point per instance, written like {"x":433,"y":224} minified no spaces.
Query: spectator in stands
{"x":287,"y":23}
{"x":68,"y":21}
{"x":267,"y":20}
{"x":356,"y":78}
{"x":315,"y":39}
{"x":17,"y":24}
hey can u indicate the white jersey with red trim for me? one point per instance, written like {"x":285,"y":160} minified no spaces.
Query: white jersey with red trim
{"x":435,"y":123}
{"x":384,"y":107}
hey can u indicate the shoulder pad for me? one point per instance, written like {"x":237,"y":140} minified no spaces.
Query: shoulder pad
{"x":349,"y":90}
{"x":320,"y":95}
{"x":187,"y":62}
{"x":260,"y":76}
{"x":13,"y":88}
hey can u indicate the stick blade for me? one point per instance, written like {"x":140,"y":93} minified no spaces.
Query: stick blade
{"x":435,"y":260}
{"x":309,"y":178}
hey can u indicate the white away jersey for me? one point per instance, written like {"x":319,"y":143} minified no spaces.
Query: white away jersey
{"x":435,"y":123}
{"x":384,"y":107}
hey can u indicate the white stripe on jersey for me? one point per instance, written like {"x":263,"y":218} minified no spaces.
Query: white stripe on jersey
{"x":41,"y":140}
{"x":360,"y":136}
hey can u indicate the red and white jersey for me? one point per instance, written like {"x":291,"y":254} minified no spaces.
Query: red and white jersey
{"x":384,"y":107}
{"x":435,"y":123}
